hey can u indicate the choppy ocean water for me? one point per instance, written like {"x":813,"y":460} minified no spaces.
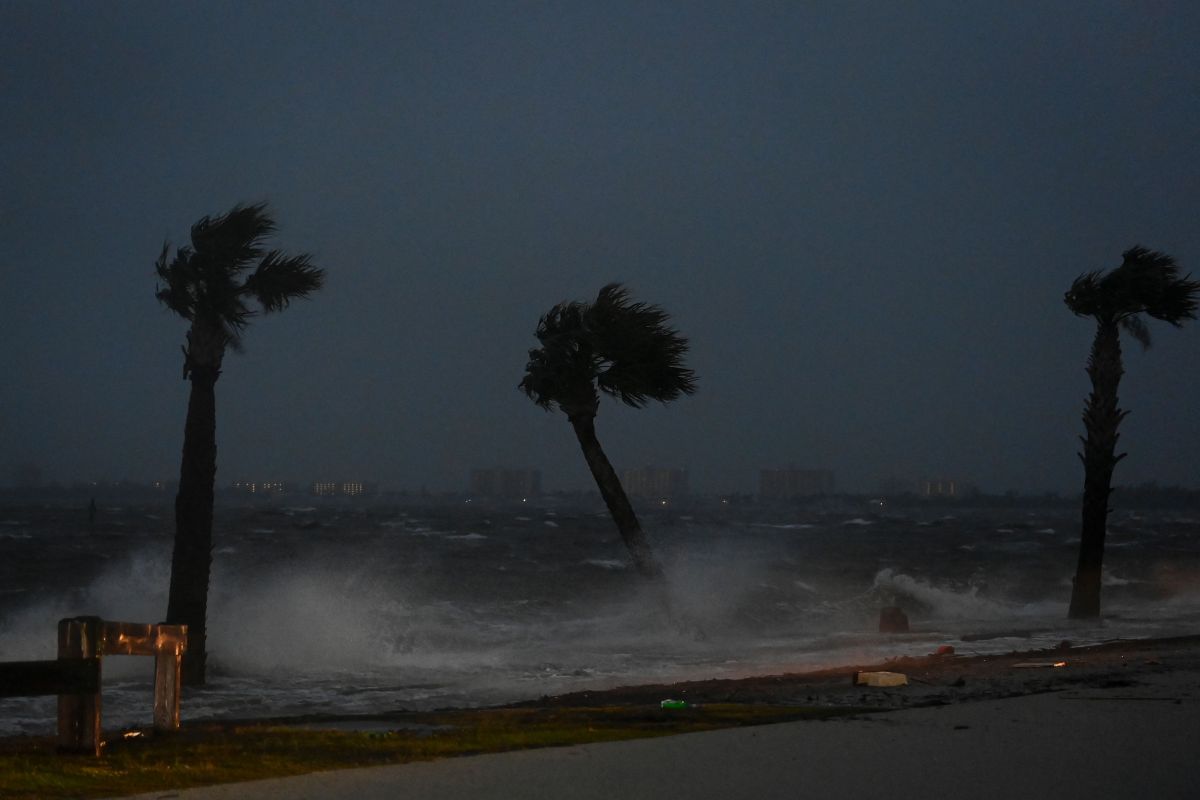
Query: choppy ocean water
{"x":327,"y":610}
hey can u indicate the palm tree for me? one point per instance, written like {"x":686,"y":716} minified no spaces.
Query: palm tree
{"x":625,"y":350}
{"x":204,"y":285}
{"x":1147,"y":282}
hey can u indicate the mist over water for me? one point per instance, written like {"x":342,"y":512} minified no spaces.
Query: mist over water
{"x":344,"y":611}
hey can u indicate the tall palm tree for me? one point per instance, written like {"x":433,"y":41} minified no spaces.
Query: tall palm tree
{"x":204,"y":284}
{"x":1147,"y":282}
{"x":625,"y":350}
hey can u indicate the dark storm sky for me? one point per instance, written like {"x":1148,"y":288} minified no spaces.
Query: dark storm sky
{"x":862,"y":215}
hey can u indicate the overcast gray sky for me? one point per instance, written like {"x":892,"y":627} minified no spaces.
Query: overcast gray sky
{"x":863,"y":215}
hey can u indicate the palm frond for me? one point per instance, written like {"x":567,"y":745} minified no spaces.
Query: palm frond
{"x":234,"y":335}
{"x":279,"y":279}
{"x":623,"y":348}
{"x":1134,"y":326}
{"x":234,"y":239}
{"x":642,"y":355}
{"x":561,"y":370}
{"x":1084,"y":295}
{"x":204,"y":281}
{"x":1146,"y":258}
{"x":177,"y":275}
{"x":1146,"y":282}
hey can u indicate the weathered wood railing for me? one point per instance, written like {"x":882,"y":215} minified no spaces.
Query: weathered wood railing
{"x":75,"y":675}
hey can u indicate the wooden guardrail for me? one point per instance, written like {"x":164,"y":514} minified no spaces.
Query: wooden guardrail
{"x":75,"y":675}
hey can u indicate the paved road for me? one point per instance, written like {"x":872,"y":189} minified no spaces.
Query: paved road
{"x":1101,"y":744}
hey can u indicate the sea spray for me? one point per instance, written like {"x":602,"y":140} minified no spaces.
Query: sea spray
{"x":354,"y":611}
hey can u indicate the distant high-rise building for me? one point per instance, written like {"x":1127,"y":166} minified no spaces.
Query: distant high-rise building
{"x":938,"y":488}
{"x":786,"y":484}
{"x":655,"y":482}
{"x":506,"y":482}
{"x":342,"y":489}
{"x":261,"y":487}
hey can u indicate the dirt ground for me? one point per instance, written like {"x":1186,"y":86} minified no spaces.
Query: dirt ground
{"x":933,"y":679}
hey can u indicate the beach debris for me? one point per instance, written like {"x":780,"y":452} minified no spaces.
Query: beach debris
{"x":1040,"y":664}
{"x":880,"y":679}
{"x":674,"y":704}
{"x":983,"y":637}
{"x":893,"y":620}
{"x":944,"y":650}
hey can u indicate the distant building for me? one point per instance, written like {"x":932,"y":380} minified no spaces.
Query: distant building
{"x":506,"y":482}
{"x":655,"y":482}
{"x":261,"y":487}
{"x":786,"y":484}
{"x":938,"y":488}
{"x":342,"y":489}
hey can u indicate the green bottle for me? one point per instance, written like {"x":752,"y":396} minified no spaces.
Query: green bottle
{"x":674,"y":704}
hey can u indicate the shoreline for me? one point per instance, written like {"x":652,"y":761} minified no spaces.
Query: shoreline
{"x":934,"y":680}
{"x":1147,"y":685}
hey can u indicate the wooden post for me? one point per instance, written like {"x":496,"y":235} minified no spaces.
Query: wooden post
{"x":79,"y":714}
{"x":169,"y":643}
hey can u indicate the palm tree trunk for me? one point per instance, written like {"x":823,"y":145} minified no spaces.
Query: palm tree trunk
{"x":614,"y":497}
{"x":192,"y":559}
{"x":1101,"y":418}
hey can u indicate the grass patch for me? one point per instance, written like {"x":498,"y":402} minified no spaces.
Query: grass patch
{"x":207,"y":753}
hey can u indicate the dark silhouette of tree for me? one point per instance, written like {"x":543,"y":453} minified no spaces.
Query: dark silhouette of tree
{"x":625,"y":350}
{"x":1147,"y":282}
{"x":204,"y":284}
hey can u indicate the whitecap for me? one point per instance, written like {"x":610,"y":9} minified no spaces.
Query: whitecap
{"x":605,"y":563}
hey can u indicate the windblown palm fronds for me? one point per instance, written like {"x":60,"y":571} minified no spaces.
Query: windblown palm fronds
{"x":625,"y":349}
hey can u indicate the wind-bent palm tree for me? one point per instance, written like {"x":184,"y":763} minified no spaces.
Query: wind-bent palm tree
{"x":625,"y":350}
{"x":1147,"y":282}
{"x":204,"y":285}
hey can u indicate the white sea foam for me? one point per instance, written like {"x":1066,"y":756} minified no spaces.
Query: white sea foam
{"x":938,"y":602}
{"x":606,"y":563}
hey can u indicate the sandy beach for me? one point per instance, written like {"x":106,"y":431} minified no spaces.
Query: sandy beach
{"x":1113,"y":720}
